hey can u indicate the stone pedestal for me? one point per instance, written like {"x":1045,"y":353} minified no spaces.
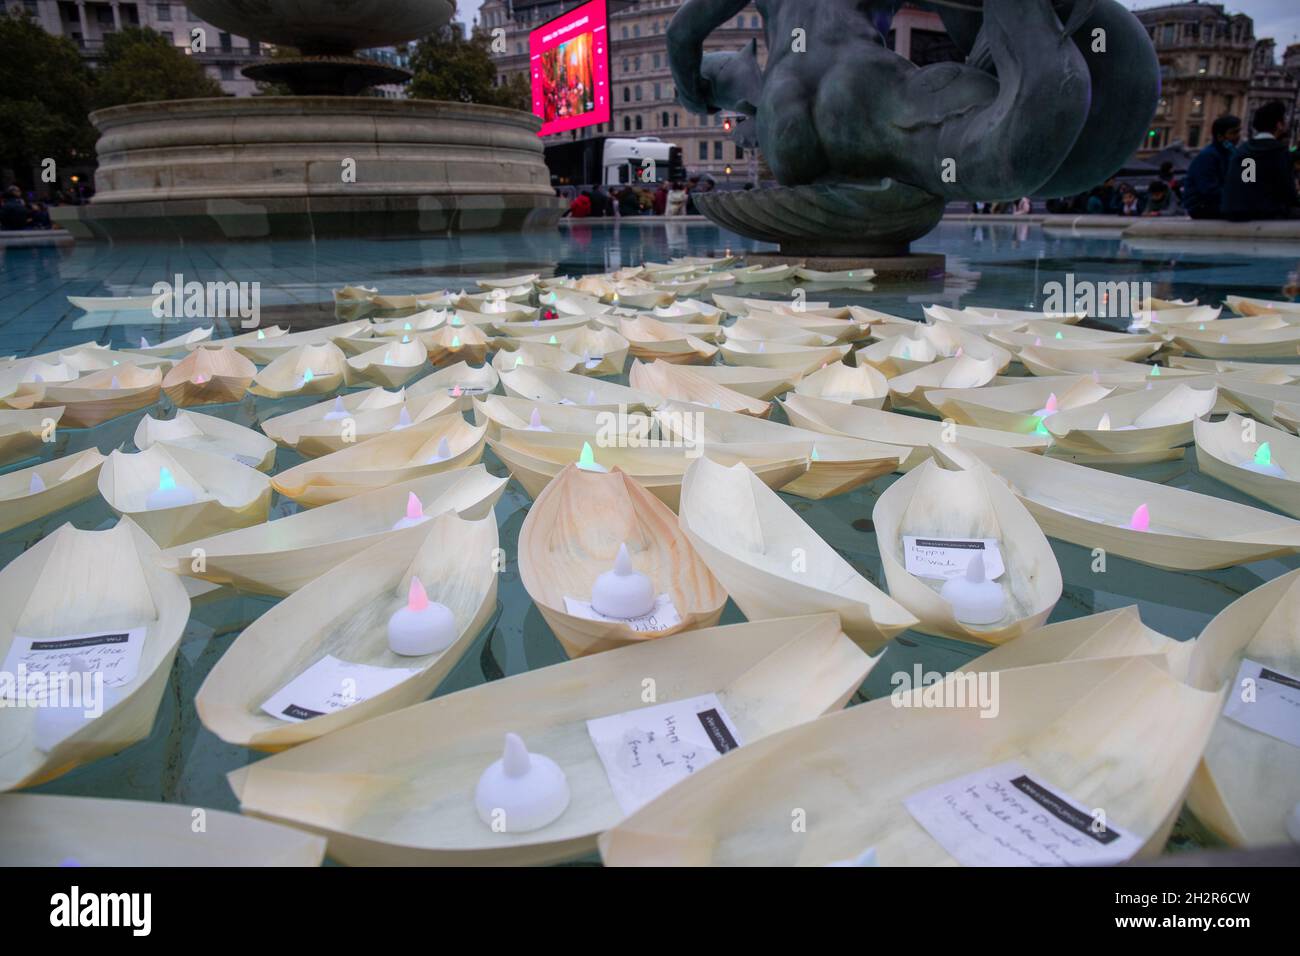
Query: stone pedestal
{"x":265,"y":167}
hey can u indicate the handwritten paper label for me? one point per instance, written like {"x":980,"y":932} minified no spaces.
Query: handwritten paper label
{"x":663,"y":616}
{"x":331,"y":684}
{"x":467,"y":390}
{"x":646,"y":751}
{"x":1004,"y":816}
{"x":594,"y":360}
{"x":115,"y":654}
{"x":948,"y":557}
{"x":1275,"y":707}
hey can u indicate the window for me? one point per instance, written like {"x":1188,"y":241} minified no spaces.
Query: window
{"x":637,"y":96}
{"x":636,"y":63}
{"x":675,"y":119}
{"x":627,"y":124}
{"x":227,"y":71}
{"x":740,"y":151}
{"x":717,"y":149}
{"x":636,"y":29}
{"x":753,"y":22}
{"x":1162,"y":108}
{"x":1198,"y":106}
{"x":656,"y":61}
{"x":663,"y":119}
{"x":224,"y":40}
{"x":624,"y":33}
{"x":163,"y":11}
{"x":717,"y":119}
{"x":704,"y":150}
{"x":1203,"y":65}
{"x":658,"y":91}
{"x":1167,"y":34}
{"x":638,"y":120}
{"x":626,"y":67}
{"x":1193,"y":137}
{"x":627,"y":94}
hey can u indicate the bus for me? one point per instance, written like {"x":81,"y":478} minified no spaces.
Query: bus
{"x":614,"y":161}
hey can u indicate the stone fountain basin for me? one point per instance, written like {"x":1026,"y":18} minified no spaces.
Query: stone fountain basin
{"x":326,"y":26}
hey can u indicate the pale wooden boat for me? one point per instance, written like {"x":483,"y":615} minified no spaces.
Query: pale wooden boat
{"x":344,"y":613}
{"x":117,"y":303}
{"x":689,"y":310}
{"x":81,"y":582}
{"x":563,"y":549}
{"x":461,"y":381}
{"x":287,"y":376}
{"x":600,"y":350}
{"x":754,"y":275}
{"x":237,"y":342}
{"x":207,"y":433}
{"x":1271,"y":373}
{"x":763,"y":384}
{"x":1065,"y":318}
{"x":411,"y":325}
{"x":535,"y":458}
{"x":912,"y":390}
{"x":1070,"y":726}
{"x":265,"y":350}
{"x":1053,"y":352}
{"x":1141,"y":421}
{"x":500,"y":311}
{"x":1245,"y":787}
{"x":228,"y":495}
{"x":651,"y":340}
{"x":509,"y":282}
{"x":708,"y":333}
{"x":63,"y":483}
{"x":450,"y":344}
{"x":741,"y":305}
{"x":1276,"y":405}
{"x":772,"y":563}
{"x":750,"y":329}
{"x":382,"y":804}
{"x":907,"y":431}
{"x":855,"y":276}
{"x":500,"y":413}
{"x":565,"y":388}
{"x":1223,"y":453}
{"x":803,"y":359}
{"x":1244,"y":305}
{"x":176,"y":347}
{"x":1118,"y":633}
{"x":354,"y":293}
{"x":392,"y":364}
{"x":978,"y":321}
{"x":529,"y":354}
{"x":1103,"y":370}
{"x":94,"y":358}
{"x":1262,"y":344}
{"x":538,"y":326}
{"x":312,"y":433}
{"x":861,"y":385}
{"x":23,"y":432}
{"x":1095,"y":509}
{"x":47,"y":830}
{"x":93,"y":398}
{"x":679,"y":383}
{"x":399,"y":302}
{"x":951,"y":341}
{"x":1015,"y":408}
{"x":836,"y":465}
{"x":383,"y":460}
{"x":209,"y":377}
{"x":574,"y":304}
{"x":898,"y":354}
{"x":933,"y":501}
{"x":33,"y":371}
{"x":281,"y":556}
{"x":838,"y":329}
{"x":1054,"y":333}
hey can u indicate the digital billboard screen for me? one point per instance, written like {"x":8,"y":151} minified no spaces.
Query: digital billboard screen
{"x":568,"y":60}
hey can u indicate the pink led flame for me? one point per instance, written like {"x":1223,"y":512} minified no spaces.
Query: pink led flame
{"x":1141,"y":519}
{"x":418,"y":598}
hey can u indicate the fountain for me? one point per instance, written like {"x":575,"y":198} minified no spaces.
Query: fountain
{"x":323,"y":161}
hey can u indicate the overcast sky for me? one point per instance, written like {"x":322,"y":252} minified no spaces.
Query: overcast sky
{"x":1279,"y":19}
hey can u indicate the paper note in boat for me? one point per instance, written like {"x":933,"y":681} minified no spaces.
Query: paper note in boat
{"x":594,"y":360}
{"x":646,"y":751}
{"x":1004,"y":816}
{"x":331,"y":684}
{"x":116,"y":654}
{"x":248,"y":460}
{"x":949,"y":557}
{"x":467,"y":390}
{"x":1266,"y":700}
{"x":661,"y":618}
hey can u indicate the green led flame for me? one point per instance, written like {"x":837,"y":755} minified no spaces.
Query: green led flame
{"x":1264,"y":455}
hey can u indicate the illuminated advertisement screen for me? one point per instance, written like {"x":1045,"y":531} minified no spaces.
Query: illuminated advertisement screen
{"x":568,"y":60}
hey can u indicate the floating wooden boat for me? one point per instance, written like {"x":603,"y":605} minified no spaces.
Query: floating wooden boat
{"x":306,"y":370}
{"x":398,"y":302}
{"x":754,"y":275}
{"x":1276,"y":405}
{"x":772,"y":564}
{"x":849,"y":385}
{"x":565,"y":388}
{"x":1019,"y":407}
{"x":384,"y":460}
{"x":741,"y":305}
{"x":680,"y":384}
{"x":535,"y":458}
{"x":43,"y":489}
{"x":529,"y":354}
{"x":411,"y":325}
{"x":751,"y":329}
{"x":500,"y":413}
{"x":175,"y":347}
{"x":1052,"y":351}
{"x":1186,"y":531}
{"x":94,"y":398}
{"x":840,"y":330}
{"x":23,"y":432}
{"x":118,"y":303}
{"x":836,"y":465}
{"x":510,"y":282}
{"x":937,"y":502}
{"x":501,"y":311}
{"x":1270,"y":373}
{"x":266,"y":349}
{"x":1244,"y":305}
{"x":689,"y":310}
{"x":48,"y":830}
{"x":763,"y":384}
{"x":320,"y":430}
{"x":651,"y":340}
{"x":1001,"y":315}
{"x":209,"y":377}
{"x":855,"y":276}
{"x":237,"y":342}
{"x":1267,"y":466}
{"x":1118,"y":633}
{"x":908,"y":431}
{"x":798,"y":358}
{"x":599,"y":350}
{"x":538,"y":326}
{"x":1135,"y":422}
{"x":74,"y":584}
{"x":898,"y":355}
{"x":451,"y":344}
{"x":769,"y":676}
{"x":1106,"y":371}
{"x":224,"y":494}
{"x":912,"y":390}
{"x":393,"y":364}
{"x":462,"y":382}
{"x":94,"y":358}
{"x":1245,"y":787}
{"x":210,"y":434}
{"x":31,"y":371}
{"x":1219,"y":343}
{"x":1068,"y":728}
{"x":968,"y":319}
{"x":281,"y":556}
{"x":344,"y":614}
{"x":573,"y":533}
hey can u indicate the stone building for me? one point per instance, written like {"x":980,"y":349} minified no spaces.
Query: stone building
{"x":644,"y":100}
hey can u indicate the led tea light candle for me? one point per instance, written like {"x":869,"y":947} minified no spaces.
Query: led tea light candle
{"x":1050,"y":408}
{"x":1155,"y":371}
{"x":623,"y":592}
{"x":144,"y":343}
{"x":1141,"y":520}
{"x":552,"y":341}
{"x":403,"y":420}
{"x":200,"y":379}
{"x":36,"y":485}
{"x":261,"y":333}
{"x":442,"y":453}
{"x":168,"y":494}
{"x":535,"y":422}
{"x":521,"y":791}
{"x":587,"y":459}
{"x":337,"y":411}
{"x":1038,"y":342}
{"x":1060,"y":335}
{"x":762,"y":347}
{"x":1104,"y":424}
{"x":455,"y":341}
{"x":974,"y":598}
{"x":457,"y":321}
{"x":422,"y":626}
{"x":457,"y":391}
{"x":406,"y":327}
{"x":114,"y":383}
{"x":414,"y":513}
{"x":307,"y":376}
{"x":1263,"y":462}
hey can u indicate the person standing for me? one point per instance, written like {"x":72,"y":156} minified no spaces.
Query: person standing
{"x":1261,"y":179}
{"x":677,"y":200}
{"x":1203,"y":184}
{"x":14,"y":214}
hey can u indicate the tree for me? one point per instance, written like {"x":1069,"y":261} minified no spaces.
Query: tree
{"x":45,"y":90}
{"x":141,"y":66}
{"x":447,"y":66}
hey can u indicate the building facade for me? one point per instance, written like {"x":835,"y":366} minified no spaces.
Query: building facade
{"x":644,"y":98}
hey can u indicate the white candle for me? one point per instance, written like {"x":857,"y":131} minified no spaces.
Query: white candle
{"x":337,"y":410}
{"x":974,"y":598}
{"x":414,"y":513}
{"x":521,"y":791}
{"x":168,"y":494}
{"x":623,"y":592}
{"x":421,"y":626}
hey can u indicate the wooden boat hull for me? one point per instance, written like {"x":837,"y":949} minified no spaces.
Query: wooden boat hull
{"x":760,"y":383}
{"x":209,"y":377}
{"x":22,"y":432}
{"x":210,"y":434}
{"x":1223,"y":454}
{"x":861,"y":385}
{"x":68,"y":481}
{"x":91,"y":400}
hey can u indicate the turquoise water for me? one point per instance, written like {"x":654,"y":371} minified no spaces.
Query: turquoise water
{"x":996,"y":265}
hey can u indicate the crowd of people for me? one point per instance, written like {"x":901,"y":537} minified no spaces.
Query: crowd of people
{"x":666,"y":199}
{"x":18,"y":212}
